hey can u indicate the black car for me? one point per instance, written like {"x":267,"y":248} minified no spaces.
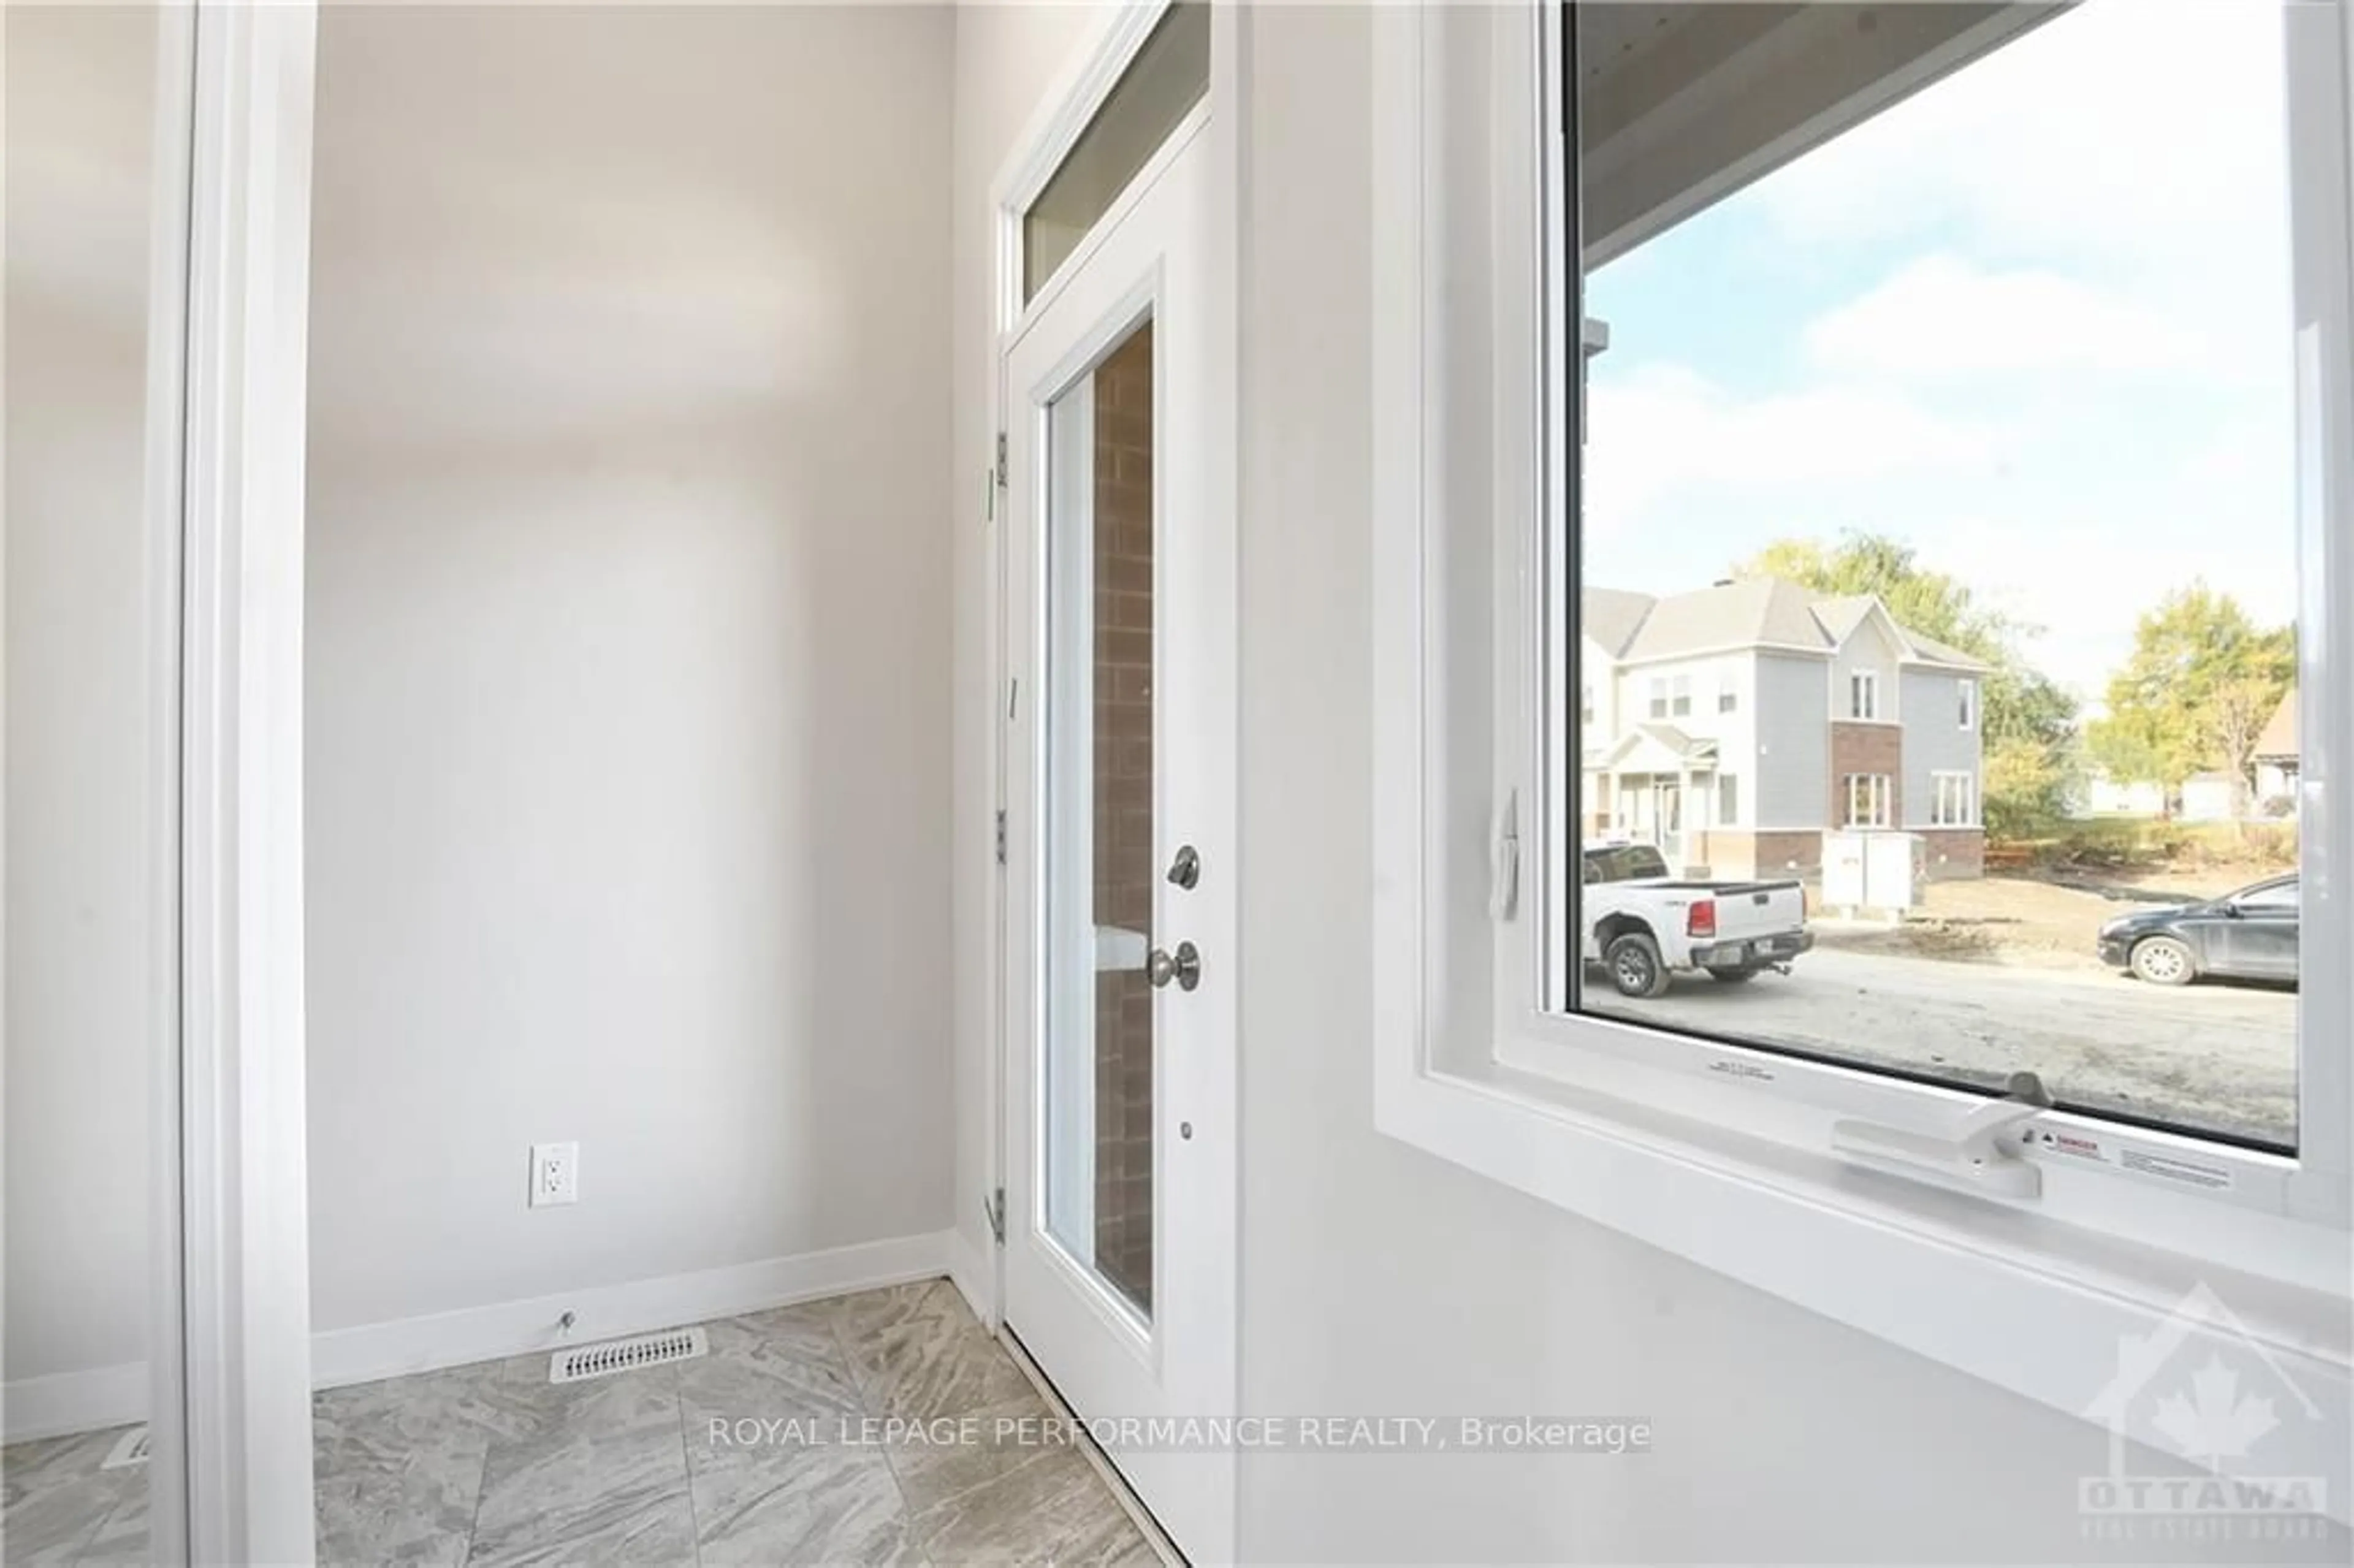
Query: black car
{"x":2247,"y":935}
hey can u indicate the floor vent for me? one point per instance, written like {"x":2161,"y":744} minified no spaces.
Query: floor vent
{"x":131,"y":1448}
{"x":624,"y":1355}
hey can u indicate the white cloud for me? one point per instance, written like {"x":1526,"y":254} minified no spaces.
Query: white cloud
{"x":2059,"y":369}
{"x":2071,"y":571}
{"x":1944,"y":316}
{"x":2149,"y":133}
{"x":1664,"y":429}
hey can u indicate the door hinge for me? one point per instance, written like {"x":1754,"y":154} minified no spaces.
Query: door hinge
{"x":1001,"y":460}
{"x":993,"y":1208}
{"x":1001,"y":836}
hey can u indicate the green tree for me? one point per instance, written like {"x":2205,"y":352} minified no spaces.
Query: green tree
{"x":2124,"y":749}
{"x":2028,"y":722}
{"x":2195,"y":692}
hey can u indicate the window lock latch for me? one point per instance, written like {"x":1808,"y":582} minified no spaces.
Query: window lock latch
{"x":1504,"y":859}
{"x":1972,"y":1155}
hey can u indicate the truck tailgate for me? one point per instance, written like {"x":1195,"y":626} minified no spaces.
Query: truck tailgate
{"x":1747,"y":909}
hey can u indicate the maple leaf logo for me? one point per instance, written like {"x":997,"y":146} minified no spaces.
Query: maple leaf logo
{"x":2215,"y":1423}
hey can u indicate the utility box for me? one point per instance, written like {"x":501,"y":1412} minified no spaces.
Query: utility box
{"x":1873,"y":870}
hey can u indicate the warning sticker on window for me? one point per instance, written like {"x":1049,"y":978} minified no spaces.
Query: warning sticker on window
{"x":2141,"y":1161}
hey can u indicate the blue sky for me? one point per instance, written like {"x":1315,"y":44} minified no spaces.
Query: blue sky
{"x":2035,"y":320}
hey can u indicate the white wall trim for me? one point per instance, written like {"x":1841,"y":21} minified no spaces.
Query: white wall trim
{"x":165,"y":1372}
{"x":373,"y":1350}
{"x":245,"y":1264}
{"x":118,"y":1396}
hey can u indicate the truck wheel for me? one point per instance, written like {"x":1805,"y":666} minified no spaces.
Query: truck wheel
{"x":1731,"y":974}
{"x":1635,"y":966}
{"x":2162,"y":960}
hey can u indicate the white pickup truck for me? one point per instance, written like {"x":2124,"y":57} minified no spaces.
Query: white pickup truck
{"x":1642,"y":924}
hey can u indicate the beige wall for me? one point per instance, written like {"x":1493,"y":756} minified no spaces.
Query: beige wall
{"x":628,"y":662}
{"x":86,"y":699}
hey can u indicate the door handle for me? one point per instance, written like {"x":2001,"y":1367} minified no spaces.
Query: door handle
{"x":1185,"y":968}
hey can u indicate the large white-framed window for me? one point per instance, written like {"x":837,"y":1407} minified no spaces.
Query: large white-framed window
{"x":1499,"y":1048}
{"x":1864,"y":800}
{"x":1952,"y":799}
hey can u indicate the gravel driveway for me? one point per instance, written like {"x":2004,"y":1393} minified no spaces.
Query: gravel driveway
{"x":2213,"y":1056}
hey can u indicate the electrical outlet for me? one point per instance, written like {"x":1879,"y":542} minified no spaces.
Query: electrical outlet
{"x":555,"y":1174}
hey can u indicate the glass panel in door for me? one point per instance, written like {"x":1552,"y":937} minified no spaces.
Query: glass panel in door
{"x":1101,"y":856}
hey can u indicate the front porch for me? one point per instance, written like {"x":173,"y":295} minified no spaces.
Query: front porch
{"x":1656,"y":785}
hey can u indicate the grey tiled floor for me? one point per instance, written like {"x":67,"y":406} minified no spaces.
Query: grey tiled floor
{"x":492,"y":1465}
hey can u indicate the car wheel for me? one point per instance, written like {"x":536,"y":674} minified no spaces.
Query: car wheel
{"x":1636,"y":967}
{"x":1733,"y":974}
{"x":2163,"y":961}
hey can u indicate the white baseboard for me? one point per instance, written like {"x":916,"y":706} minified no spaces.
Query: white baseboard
{"x":969,"y":1266}
{"x":73,"y":1402}
{"x":376,"y":1351}
{"x":117,"y":1395}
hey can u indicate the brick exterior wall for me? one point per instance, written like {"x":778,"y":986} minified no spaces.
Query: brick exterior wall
{"x":1953,"y":855}
{"x":1865,"y":748}
{"x":1124,"y":853}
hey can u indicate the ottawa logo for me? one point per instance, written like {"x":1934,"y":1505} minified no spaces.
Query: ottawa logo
{"x":2253,"y":1446}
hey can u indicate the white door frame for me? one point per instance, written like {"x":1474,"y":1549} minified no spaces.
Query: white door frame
{"x":1054,"y":126}
{"x":235,"y":1266}
{"x":165,"y":444}
{"x":1062,"y":114}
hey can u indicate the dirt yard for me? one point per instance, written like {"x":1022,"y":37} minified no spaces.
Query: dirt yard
{"x":2045,"y":919}
{"x":2211,"y":1058}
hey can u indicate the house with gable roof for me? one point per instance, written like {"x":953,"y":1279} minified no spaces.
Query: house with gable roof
{"x":1735,"y":726}
{"x":2279,"y":760}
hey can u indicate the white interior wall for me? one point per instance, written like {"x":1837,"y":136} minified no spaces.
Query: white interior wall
{"x":629,"y":643}
{"x":81,"y":702}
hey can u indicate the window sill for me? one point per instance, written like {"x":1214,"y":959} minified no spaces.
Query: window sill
{"x":2018,"y":1299}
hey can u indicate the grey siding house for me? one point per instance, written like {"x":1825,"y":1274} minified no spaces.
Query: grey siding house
{"x":1735,"y":726}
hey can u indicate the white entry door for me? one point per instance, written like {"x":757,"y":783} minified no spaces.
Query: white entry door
{"x":1120,"y":877}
